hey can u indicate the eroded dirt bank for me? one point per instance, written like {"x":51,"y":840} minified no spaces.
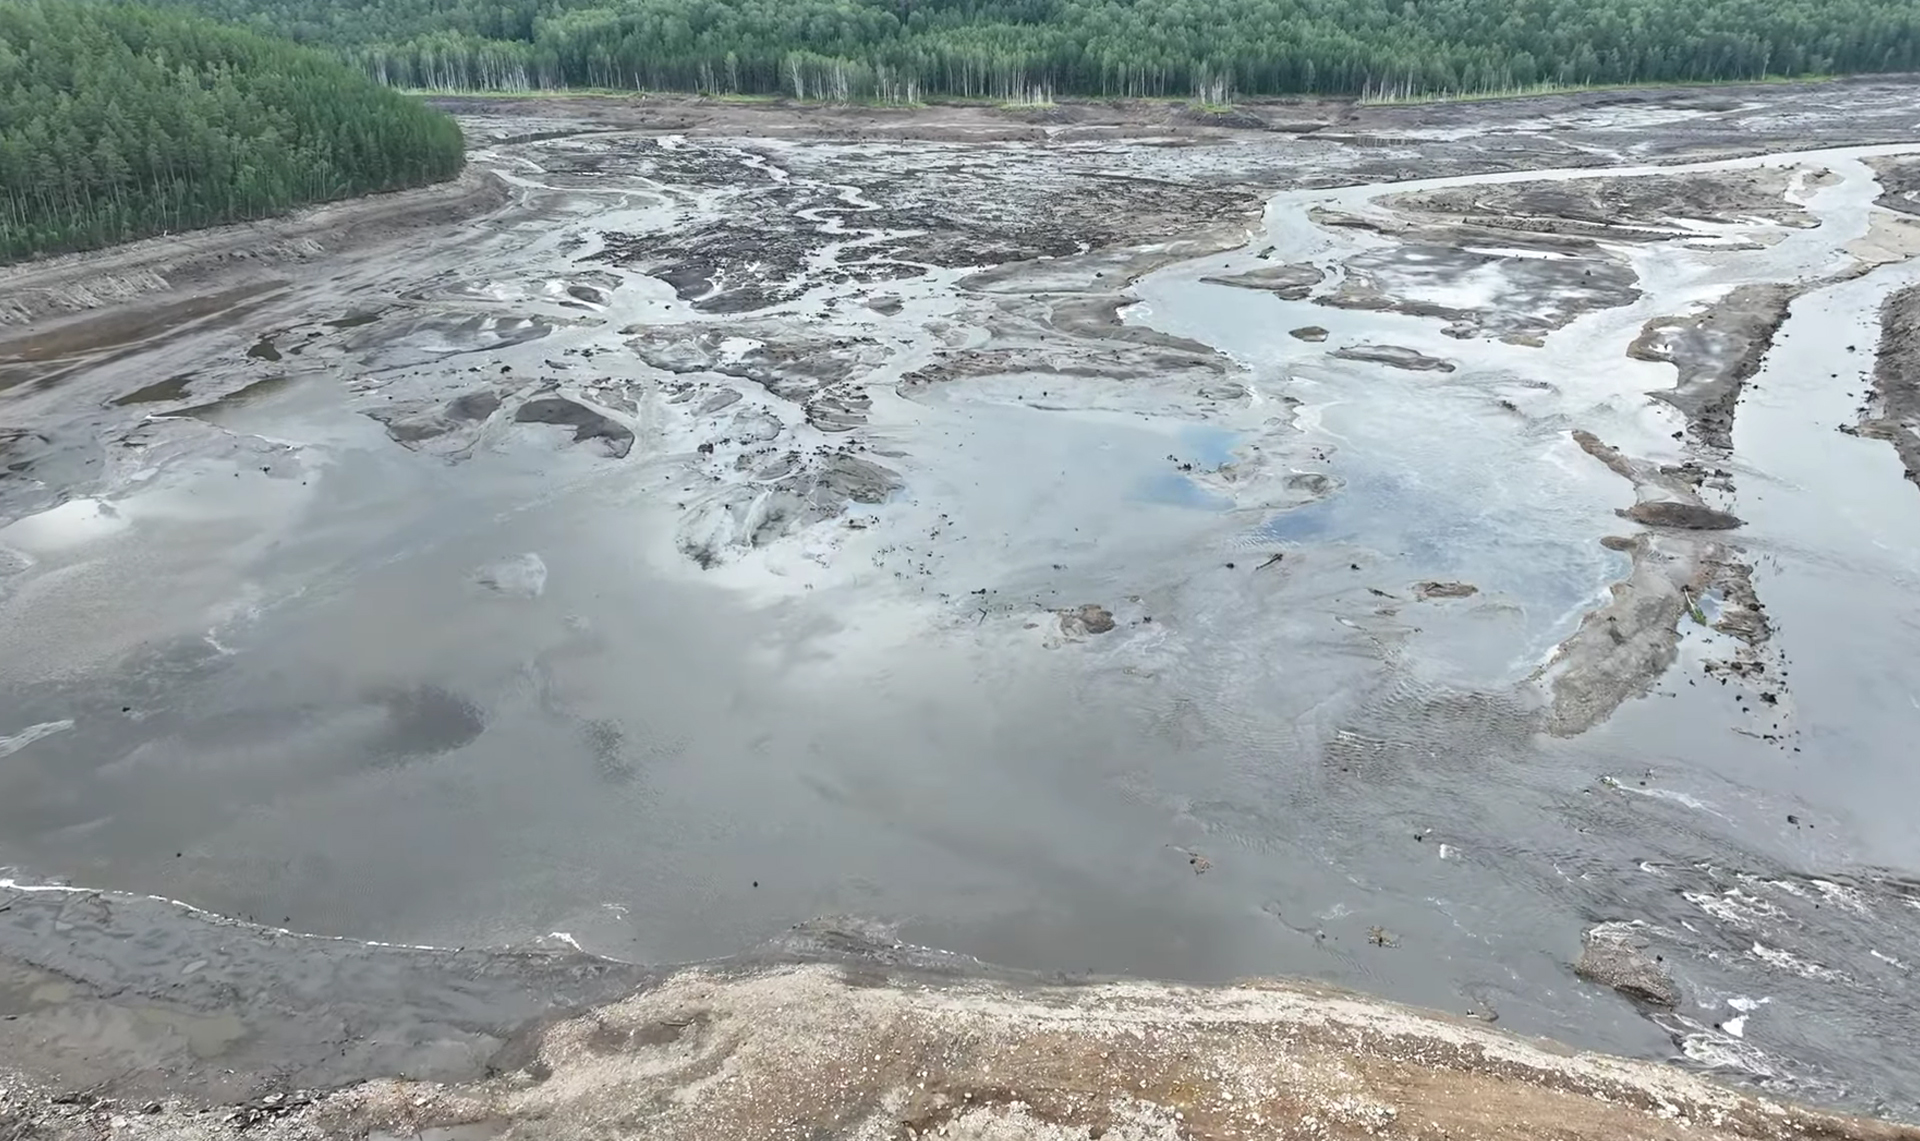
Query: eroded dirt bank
{"x":873,"y":1052}
{"x":1894,"y":415}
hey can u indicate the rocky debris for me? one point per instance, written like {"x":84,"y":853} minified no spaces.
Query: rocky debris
{"x":1089,"y":619}
{"x":1430,"y":590}
{"x":1395,"y":356}
{"x":1686,"y":516}
{"x":1287,"y":282}
{"x":1614,"y":956}
{"x":587,"y":424}
{"x":1311,"y":333}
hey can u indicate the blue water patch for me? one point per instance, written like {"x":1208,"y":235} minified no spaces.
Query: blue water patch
{"x":1208,"y":446}
{"x":1313,"y":521}
{"x":1178,"y":491}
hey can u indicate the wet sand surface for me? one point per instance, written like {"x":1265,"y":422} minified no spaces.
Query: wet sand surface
{"x":939,"y":523}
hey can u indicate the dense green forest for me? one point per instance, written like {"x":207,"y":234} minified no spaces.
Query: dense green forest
{"x":119,"y":122}
{"x":904,"y":49}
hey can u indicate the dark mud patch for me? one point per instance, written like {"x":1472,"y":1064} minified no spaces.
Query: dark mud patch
{"x":159,"y":392}
{"x":125,"y":326}
{"x":422,"y":721}
{"x":142,"y":997}
{"x":1426,"y":591}
{"x":411,"y":424}
{"x":69,"y":350}
{"x":1641,"y":208}
{"x":929,"y":207}
{"x":1683,"y":516}
{"x":264,"y":350}
{"x":587,"y":424}
{"x":427,"y":337}
{"x":1899,"y":177}
{"x":1394,"y":356}
{"x":1287,"y":282}
{"x":1895,"y":412}
{"x":354,"y":320}
{"x":1715,"y":353}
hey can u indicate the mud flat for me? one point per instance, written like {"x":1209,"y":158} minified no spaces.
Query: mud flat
{"x":1382,"y":546}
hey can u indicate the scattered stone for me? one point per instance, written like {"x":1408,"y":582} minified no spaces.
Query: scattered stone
{"x":1089,"y":619}
{"x":1313,"y":333}
{"x":1430,"y":590}
{"x":1687,"y":516}
{"x":1616,"y":958}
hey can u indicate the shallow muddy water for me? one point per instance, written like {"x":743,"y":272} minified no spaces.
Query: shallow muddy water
{"x":755,"y":617}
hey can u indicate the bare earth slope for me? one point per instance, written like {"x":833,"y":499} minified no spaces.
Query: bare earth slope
{"x":870,"y":1054}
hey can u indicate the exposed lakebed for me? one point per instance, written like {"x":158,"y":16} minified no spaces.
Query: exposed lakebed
{"x":958,"y":534}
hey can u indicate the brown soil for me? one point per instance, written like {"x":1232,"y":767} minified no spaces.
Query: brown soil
{"x":821,"y":1052}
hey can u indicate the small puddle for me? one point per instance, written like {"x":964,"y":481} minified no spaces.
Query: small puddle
{"x":259,"y":389}
{"x":159,"y":392}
